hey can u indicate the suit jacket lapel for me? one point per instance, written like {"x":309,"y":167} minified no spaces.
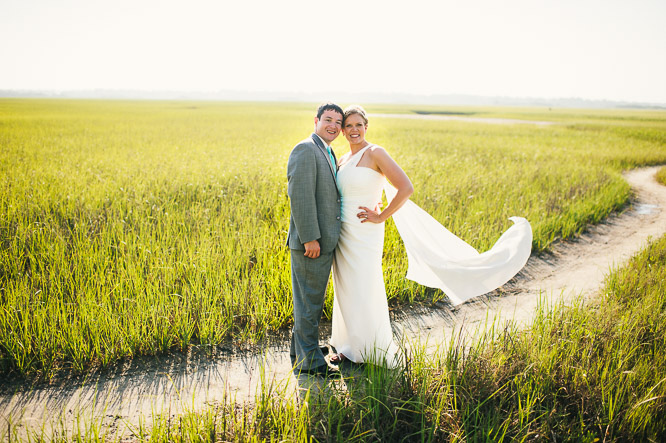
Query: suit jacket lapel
{"x":323,"y":150}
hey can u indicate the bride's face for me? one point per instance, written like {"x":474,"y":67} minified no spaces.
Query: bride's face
{"x":354,"y":129}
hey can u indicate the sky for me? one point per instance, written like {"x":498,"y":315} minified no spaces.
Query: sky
{"x":612,"y":49}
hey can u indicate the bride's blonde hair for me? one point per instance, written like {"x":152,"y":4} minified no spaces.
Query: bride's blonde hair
{"x":354,"y":109}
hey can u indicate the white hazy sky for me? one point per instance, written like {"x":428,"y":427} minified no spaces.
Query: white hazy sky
{"x":611,"y":49}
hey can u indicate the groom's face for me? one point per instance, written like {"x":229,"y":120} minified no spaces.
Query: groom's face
{"x":329,"y":125}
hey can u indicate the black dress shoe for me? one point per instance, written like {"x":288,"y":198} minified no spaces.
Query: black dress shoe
{"x":324,"y":371}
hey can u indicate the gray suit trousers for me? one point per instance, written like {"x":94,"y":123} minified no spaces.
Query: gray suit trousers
{"x":309,"y":289}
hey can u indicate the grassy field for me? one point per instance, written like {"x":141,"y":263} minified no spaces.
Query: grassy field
{"x":580,"y":373}
{"x":134,"y":228}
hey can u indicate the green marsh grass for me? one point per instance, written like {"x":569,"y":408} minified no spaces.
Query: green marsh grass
{"x":136,"y":228}
{"x":585,"y":372}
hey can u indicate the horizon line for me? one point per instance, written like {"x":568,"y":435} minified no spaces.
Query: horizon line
{"x":460,"y":99}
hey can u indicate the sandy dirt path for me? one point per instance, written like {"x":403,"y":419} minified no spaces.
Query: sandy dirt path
{"x":173,"y":384}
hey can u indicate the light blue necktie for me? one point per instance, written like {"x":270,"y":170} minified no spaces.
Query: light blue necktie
{"x":330,"y":154}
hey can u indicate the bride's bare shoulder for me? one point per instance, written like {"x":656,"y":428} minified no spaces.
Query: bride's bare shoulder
{"x":377,"y":151}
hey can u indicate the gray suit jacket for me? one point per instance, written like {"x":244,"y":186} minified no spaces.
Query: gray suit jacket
{"x":313,"y":197}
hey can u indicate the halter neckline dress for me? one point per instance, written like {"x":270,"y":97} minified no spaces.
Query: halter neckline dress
{"x":361,"y":329}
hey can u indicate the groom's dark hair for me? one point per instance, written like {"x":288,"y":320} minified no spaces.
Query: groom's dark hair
{"x":329,"y":107}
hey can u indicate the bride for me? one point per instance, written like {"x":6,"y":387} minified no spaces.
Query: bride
{"x":361,"y":329}
{"x":361,"y":326}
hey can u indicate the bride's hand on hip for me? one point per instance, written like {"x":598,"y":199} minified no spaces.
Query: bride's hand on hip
{"x":368,"y":215}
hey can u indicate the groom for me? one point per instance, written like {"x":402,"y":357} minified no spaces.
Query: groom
{"x":314,"y":228}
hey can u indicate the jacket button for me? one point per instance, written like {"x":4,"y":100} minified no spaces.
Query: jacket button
{"x":338,"y":200}
{"x":337,"y":218}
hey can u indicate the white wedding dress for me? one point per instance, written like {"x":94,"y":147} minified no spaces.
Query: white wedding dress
{"x":361,"y":328}
{"x":361,"y":325}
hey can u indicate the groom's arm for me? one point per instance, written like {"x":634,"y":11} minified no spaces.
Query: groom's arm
{"x":301,"y":173}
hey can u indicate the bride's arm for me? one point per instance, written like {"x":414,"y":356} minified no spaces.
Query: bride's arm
{"x":398,"y":179}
